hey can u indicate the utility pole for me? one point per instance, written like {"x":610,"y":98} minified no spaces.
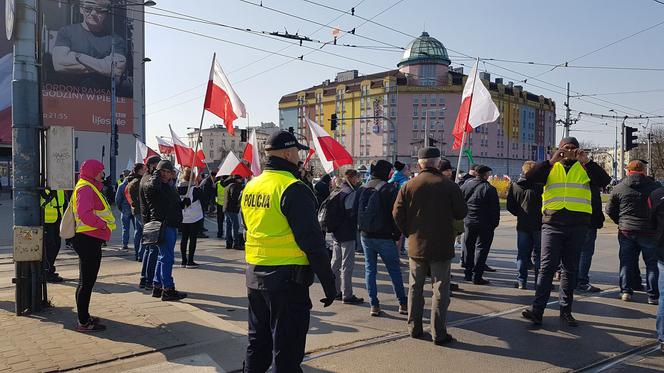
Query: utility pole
{"x":649,"y":152}
{"x":426,"y":129}
{"x":26,"y":126}
{"x":622,"y":148}
{"x":615,"y":157}
{"x":567,"y":113}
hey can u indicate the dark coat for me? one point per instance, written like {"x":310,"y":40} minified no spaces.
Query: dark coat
{"x":347,"y":230}
{"x":598,"y":178}
{"x":628,"y":203}
{"x":656,"y":203}
{"x":388,"y":194}
{"x":524,"y":200}
{"x":232,"y":193}
{"x":322,"y":188}
{"x":483,"y":204}
{"x":133,"y":185}
{"x":425,"y":210}
{"x":161,"y":202}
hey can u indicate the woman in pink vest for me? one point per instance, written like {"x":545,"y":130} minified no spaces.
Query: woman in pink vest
{"x":94,"y":223}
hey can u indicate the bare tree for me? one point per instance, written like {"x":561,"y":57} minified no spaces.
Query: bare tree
{"x":657,"y":148}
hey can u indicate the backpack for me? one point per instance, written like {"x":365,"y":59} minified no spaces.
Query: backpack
{"x":370,"y":214}
{"x":330,"y":213}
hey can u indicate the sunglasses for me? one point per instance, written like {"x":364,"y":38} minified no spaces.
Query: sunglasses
{"x":99,"y":10}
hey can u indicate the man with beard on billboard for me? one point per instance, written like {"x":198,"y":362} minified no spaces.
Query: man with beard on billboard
{"x":83,"y":50}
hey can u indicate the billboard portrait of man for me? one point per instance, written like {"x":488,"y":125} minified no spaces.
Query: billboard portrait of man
{"x":83,"y":50}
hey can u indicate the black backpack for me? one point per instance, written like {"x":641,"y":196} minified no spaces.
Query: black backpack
{"x":330,"y":213}
{"x":370,"y":214}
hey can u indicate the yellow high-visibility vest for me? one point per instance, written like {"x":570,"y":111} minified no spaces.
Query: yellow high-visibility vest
{"x":270,"y":240}
{"x":220,"y":194}
{"x":567,"y":190}
{"x":55,"y":207}
{"x":105,"y":214}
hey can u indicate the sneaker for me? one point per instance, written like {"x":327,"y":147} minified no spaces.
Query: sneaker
{"x":403,"y":309}
{"x":653,"y":301}
{"x":375,"y":311}
{"x":192,"y":265}
{"x":89,"y":327}
{"x":238,"y":247}
{"x":183,"y":264}
{"x":626,"y":297}
{"x":468,"y":277}
{"x":149,"y":286}
{"x":481,"y":281}
{"x":532,"y":316}
{"x":125,"y":247}
{"x":353,"y":300}
{"x":337,"y":297}
{"x":587,"y":288}
{"x":520,"y":286}
{"x":157,"y":292}
{"x":229,"y":246}
{"x":488,"y":269}
{"x":447,"y":338}
{"x":171,"y":295}
{"x":54,"y":279}
{"x":568,"y":319}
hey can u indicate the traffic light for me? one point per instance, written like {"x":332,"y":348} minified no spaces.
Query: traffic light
{"x":291,"y":130}
{"x":333,"y":122}
{"x":630,"y":138}
{"x":243,"y":135}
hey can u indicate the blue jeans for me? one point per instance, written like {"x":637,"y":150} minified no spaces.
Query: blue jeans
{"x":127,"y":219}
{"x":389,"y":253}
{"x":150,"y":253}
{"x":528,"y":246}
{"x":233,"y":229}
{"x":163,"y":273}
{"x":630,"y":245}
{"x":660,"y":308}
{"x":587,"y":251}
{"x":138,"y":236}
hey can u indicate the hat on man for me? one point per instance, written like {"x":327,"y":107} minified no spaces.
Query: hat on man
{"x":283,"y":140}
{"x":428,"y":152}
{"x":568,"y":140}
{"x":399,"y":166}
{"x":445,"y":165}
{"x":482,"y":169}
{"x":636,"y":166}
{"x":165,"y":164}
{"x":381,"y":169}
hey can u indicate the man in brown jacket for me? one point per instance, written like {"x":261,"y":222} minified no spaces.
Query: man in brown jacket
{"x":424,"y":211}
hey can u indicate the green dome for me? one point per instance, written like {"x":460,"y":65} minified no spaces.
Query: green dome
{"x":425,"y":49}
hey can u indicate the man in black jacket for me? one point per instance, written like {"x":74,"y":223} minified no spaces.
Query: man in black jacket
{"x":233,"y":191}
{"x":524,"y":200}
{"x":479,"y":225}
{"x":628,"y":207}
{"x":378,"y":234}
{"x":656,"y":203}
{"x":150,"y":252}
{"x":161,"y":202}
{"x":342,"y":201}
{"x":566,"y":215}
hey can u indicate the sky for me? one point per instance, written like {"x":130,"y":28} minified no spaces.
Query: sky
{"x":516,"y":30}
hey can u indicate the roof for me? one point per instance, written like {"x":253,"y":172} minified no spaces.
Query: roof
{"x":425,"y":49}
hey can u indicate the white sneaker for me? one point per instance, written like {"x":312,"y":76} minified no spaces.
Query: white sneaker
{"x":626,"y":297}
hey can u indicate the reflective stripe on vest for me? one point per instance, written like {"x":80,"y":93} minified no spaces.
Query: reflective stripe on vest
{"x":55,"y":208}
{"x":105,"y":214}
{"x":220,"y":194}
{"x":270,"y":241}
{"x":567,"y":190}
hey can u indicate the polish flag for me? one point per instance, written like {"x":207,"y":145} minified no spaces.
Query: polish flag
{"x":251,"y":154}
{"x":310,"y":154}
{"x":332,"y":155}
{"x":220,"y":98}
{"x":184,"y":155}
{"x":477,"y":108}
{"x":143,"y":152}
{"x":165,"y":147}
{"x":233,"y":166}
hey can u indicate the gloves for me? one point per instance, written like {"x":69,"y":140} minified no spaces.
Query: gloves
{"x":186,"y":202}
{"x":330,"y":290}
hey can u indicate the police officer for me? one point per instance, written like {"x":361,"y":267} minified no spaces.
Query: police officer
{"x":566,"y":216}
{"x":284,"y":249}
{"x":219,"y":200}
{"x":53,"y":203}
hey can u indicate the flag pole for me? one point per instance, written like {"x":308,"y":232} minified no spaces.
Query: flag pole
{"x":463,"y":136}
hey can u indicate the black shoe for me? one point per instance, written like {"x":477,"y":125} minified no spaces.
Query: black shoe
{"x":353,"y":300}
{"x":172,"y":295}
{"x":447,"y":339}
{"x":454,"y":286}
{"x":141,"y":285}
{"x":337,"y":297}
{"x":567,"y":318}
{"x":192,"y":264}
{"x":488,"y":269}
{"x":238,"y":247}
{"x":481,"y":281}
{"x":157,"y":292}
{"x":661,"y":347}
{"x":149,"y":286}
{"x":468,"y":277}
{"x":54,"y":279}
{"x":220,"y":236}
{"x":125,"y":247}
{"x":183,"y":264}
{"x":229,"y":246}
{"x":638,"y":287}
{"x":532,"y":316}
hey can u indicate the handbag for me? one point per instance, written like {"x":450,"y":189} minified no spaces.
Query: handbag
{"x":153,"y":232}
{"x":68,"y":224}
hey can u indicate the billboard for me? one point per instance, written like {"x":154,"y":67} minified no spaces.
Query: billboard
{"x":5,"y":82}
{"x":85,"y":43}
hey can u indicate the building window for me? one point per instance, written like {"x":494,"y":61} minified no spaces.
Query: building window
{"x":414,"y":111}
{"x":415,"y":124}
{"x":427,"y":75}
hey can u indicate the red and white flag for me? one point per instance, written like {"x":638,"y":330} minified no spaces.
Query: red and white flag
{"x":233,"y":166}
{"x":143,"y":152}
{"x":251,"y":154}
{"x":165,"y":147}
{"x":220,"y":98}
{"x":332,"y":155}
{"x":310,"y":154}
{"x":184,"y":155}
{"x":477,"y":108}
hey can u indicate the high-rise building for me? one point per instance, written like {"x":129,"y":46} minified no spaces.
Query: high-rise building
{"x":385,"y":115}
